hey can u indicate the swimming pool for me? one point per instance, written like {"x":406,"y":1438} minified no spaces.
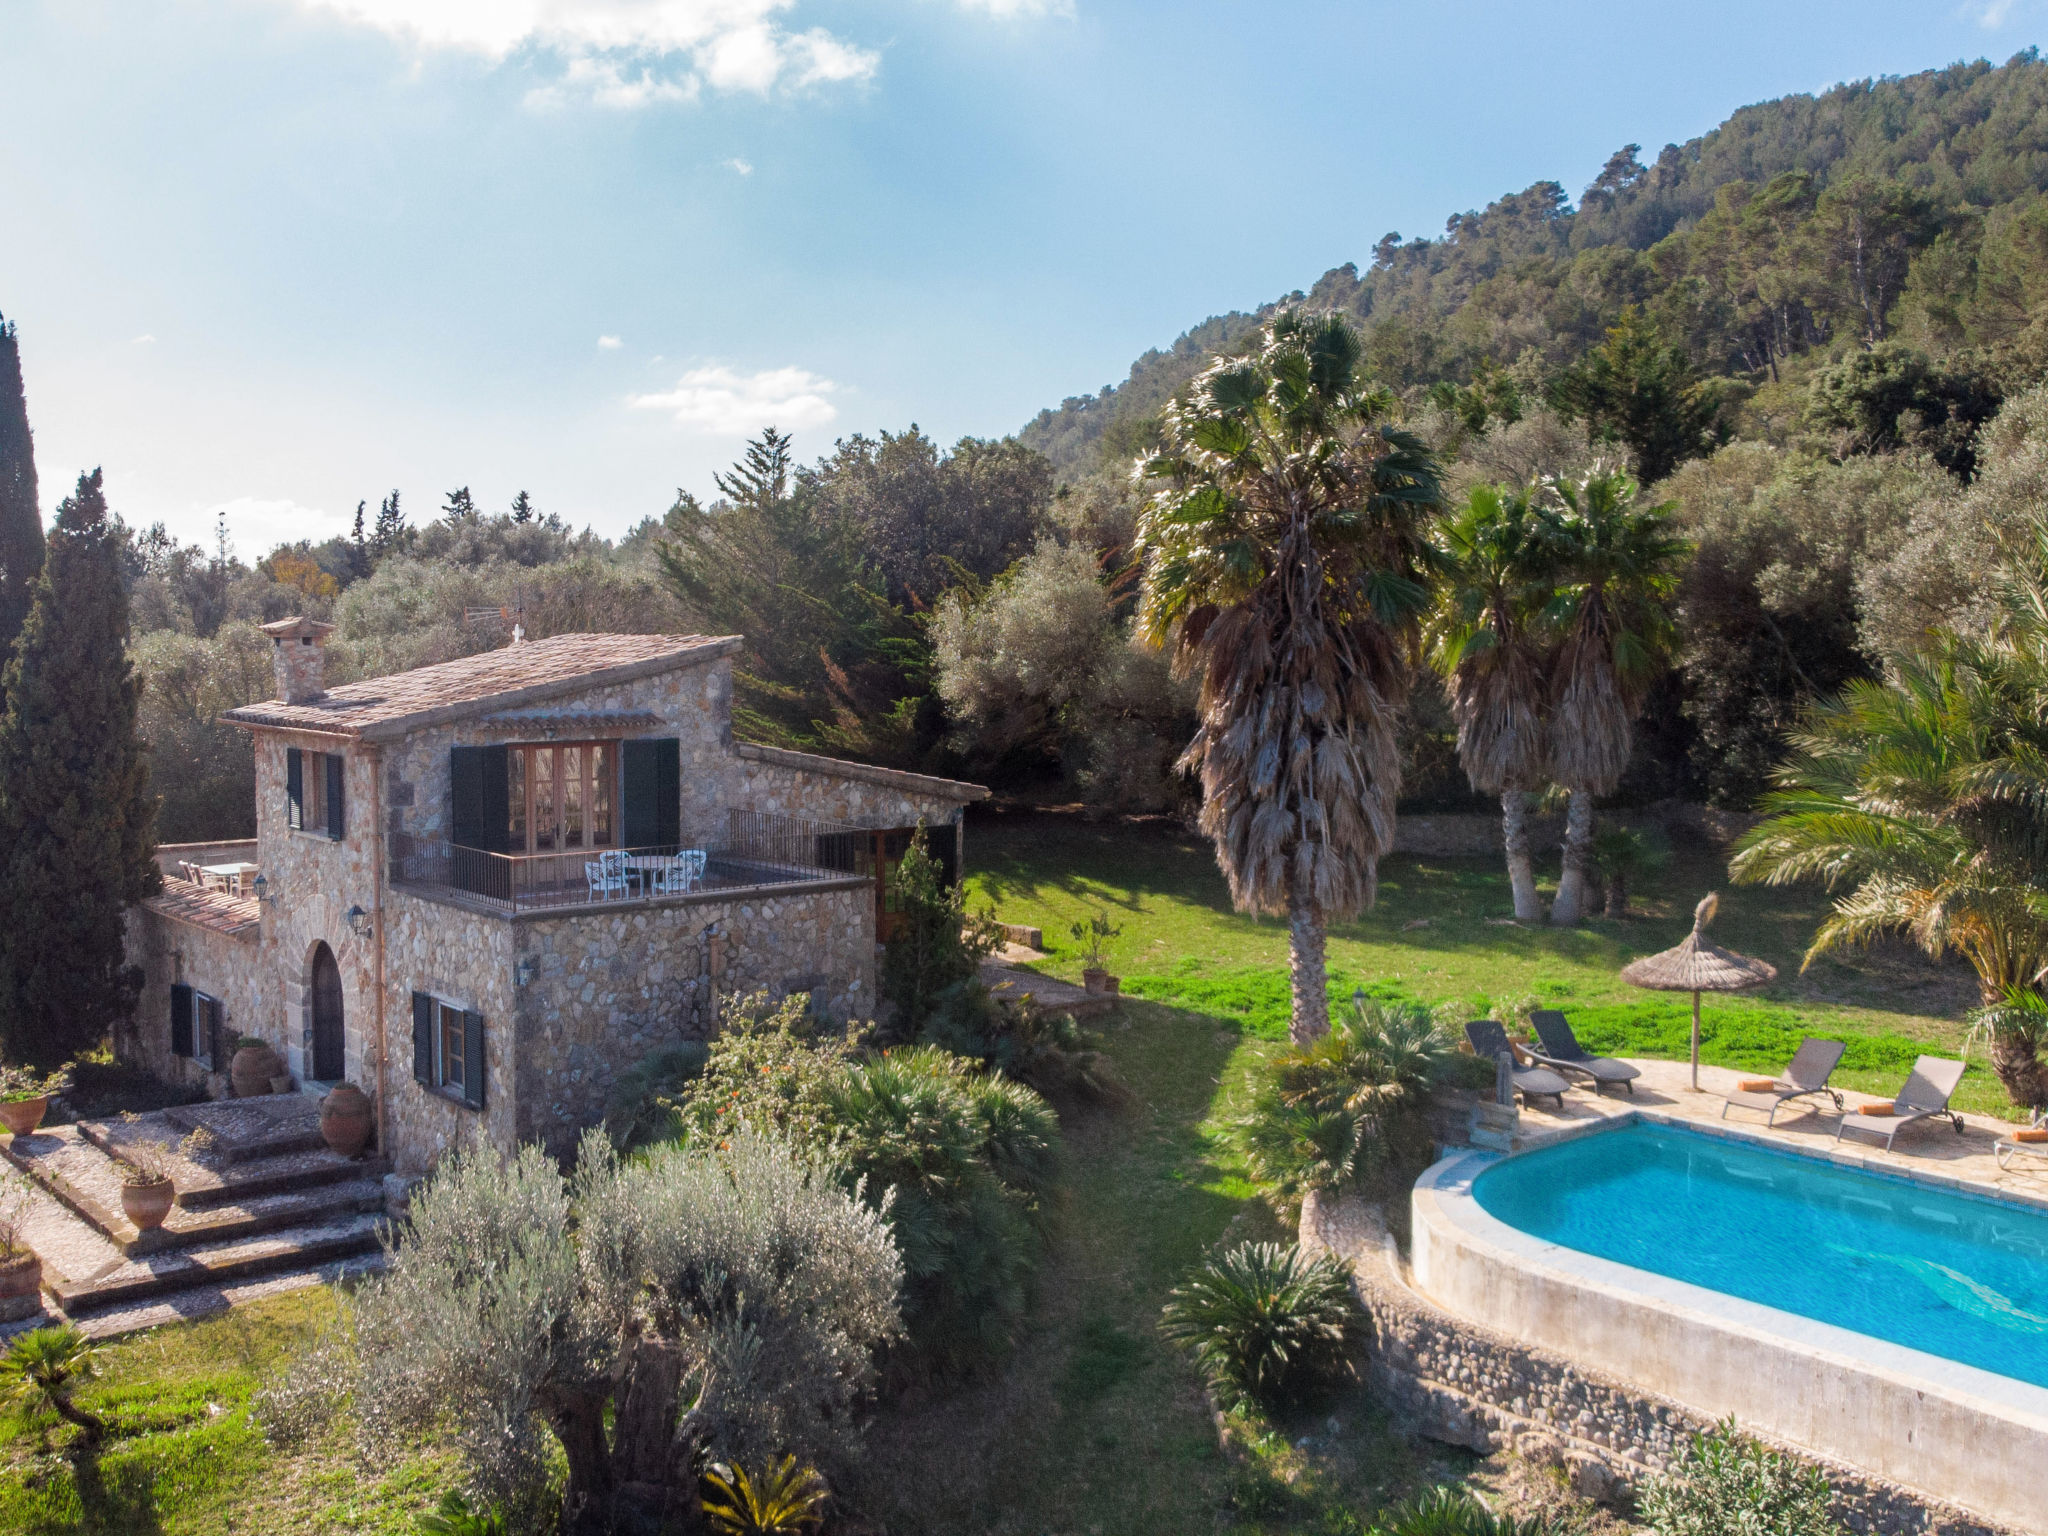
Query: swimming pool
{"x":1952,"y":1274}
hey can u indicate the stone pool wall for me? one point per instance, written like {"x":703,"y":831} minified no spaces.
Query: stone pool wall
{"x":1455,"y":1381}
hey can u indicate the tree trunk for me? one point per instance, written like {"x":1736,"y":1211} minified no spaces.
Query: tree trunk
{"x":1578,"y":838}
{"x":1617,"y":894}
{"x":577,"y":1419}
{"x":1514,"y":824}
{"x":1307,"y":970}
{"x":2017,"y":1062}
{"x":91,"y":1425}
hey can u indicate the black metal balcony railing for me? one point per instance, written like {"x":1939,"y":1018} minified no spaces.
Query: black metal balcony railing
{"x":759,"y":848}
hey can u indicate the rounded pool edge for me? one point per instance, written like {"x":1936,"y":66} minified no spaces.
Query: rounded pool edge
{"x":1955,"y":1432}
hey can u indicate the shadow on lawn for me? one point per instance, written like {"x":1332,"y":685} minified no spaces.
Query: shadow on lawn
{"x":124,"y":1502}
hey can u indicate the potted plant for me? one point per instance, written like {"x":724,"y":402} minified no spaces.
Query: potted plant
{"x":1092,"y":933}
{"x":345,"y":1119}
{"x":254,"y":1067}
{"x":25,"y":1095}
{"x":147,"y":1192}
{"x":21,"y":1271}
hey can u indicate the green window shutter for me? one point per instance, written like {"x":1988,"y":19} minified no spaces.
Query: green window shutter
{"x":473,"y":1060}
{"x":294,"y":787}
{"x":337,"y":816}
{"x":181,"y":1020}
{"x":479,"y":814}
{"x":423,"y":1038}
{"x":652,"y":793}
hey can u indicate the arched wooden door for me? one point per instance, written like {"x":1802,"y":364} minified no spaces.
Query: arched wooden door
{"x":327,"y":1031}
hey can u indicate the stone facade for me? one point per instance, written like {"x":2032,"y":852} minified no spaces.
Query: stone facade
{"x":1455,"y":1381}
{"x":569,"y":997}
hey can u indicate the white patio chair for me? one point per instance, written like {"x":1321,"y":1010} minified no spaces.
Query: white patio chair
{"x":606,"y":875}
{"x":683,"y":871}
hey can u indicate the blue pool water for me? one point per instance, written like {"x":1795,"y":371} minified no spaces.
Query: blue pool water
{"x":1951,"y":1274}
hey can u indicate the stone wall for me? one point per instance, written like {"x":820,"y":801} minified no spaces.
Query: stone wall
{"x":1454,"y":1381}
{"x":608,"y":988}
{"x":170,"y":952}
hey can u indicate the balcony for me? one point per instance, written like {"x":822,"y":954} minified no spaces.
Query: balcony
{"x":758,"y":851}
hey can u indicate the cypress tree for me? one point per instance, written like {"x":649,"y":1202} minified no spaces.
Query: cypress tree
{"x":77,"y":824}
{"x":21,"y":517}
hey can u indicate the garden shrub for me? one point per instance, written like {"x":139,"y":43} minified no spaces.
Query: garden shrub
{"x":1329,"y":1114}
{"x":642,"y":1108}
{"x":1726,"y":1484}
{"x":702,"y":1301}
{"x":937,"y":944}
{"x":1446,"y":1511}
{"x":966,"y":1165}
{"x":1037,"y":1046}
{"x":1266,"y":1324}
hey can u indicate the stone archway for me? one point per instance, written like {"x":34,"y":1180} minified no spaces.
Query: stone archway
{"x":329,"y":1057}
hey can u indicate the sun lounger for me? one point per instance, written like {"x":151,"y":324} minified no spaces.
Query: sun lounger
{"x":1806,"y":1077}
{"x":1561,"y":1052}
{"x":1925,"y":1097}
{"x":2009,"y":1148}
{"x":1489,"y":1039}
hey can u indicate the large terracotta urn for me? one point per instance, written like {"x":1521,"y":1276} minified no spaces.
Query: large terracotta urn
{"x":22,"y":1116}
{"x":253,"y":1068}
{"x":146,"y":1205}
{"x":21,"y":1284}
{"x":346,"y":1118}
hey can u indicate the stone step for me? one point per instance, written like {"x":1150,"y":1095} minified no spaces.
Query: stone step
{"x":216,"y":1178}
{"x":137,"y":1278}
{"x":243,"y":1130}
{"x":80,"y":1173}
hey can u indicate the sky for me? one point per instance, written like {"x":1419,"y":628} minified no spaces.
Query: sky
{"x":270,"y":258}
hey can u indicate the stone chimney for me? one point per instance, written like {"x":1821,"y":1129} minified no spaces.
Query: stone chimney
{"x":299,"y":652}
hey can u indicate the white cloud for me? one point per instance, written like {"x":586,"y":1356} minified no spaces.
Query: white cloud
{"x":1027,"y":7}
{"x":728,"y":404}
{"x":144,"y":339}
{"x":609,"y":343}
{"x":258,"y":524}
{"x":742,"y":167}
{"x":626,"y":53}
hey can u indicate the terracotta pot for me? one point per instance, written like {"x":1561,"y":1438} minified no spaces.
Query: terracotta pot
{"x":22,"y":1116}
{"x":20,"y":1276}
{"x":1113,"y":985}
{"x":252,"y":1069}
{"x":147,"y":1205}
{"x":345,"y":1119}
{"x":1095,"y":979}
{"x":281,"y":1084}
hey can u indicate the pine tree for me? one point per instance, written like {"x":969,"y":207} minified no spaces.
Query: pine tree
{"x":522,"y":508}
{"x":390,"y":533}
{"x":77,"y":826}
{"x":21,"y":517}
{"x":357,"y":536}
{"x":460,"y":506}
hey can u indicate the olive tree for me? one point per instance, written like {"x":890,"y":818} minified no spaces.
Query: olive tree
{"x":637,"y":1316}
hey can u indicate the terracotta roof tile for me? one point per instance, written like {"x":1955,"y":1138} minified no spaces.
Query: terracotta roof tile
{"x":235,"y":916}
{"x":528,"y":673}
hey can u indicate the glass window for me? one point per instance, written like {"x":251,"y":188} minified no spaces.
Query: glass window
{"x":572,"y":797}
{"x":515,"y":799}
{"x":600,"y":796}
{"x":452,"y":1066}
{"x":544,"y":827}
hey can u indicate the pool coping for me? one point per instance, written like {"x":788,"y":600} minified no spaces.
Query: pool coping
{"x":1918,"y":1409}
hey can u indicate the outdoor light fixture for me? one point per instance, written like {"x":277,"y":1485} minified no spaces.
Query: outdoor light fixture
{"x":358,"y":922}
{"x":260,"y":889}
{"x":524,"y":971}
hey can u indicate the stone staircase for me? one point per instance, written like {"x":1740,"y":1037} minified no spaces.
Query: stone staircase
{"x":259,"y":1193}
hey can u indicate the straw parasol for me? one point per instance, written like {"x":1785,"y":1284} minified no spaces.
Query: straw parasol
{"x":1698,"y":965}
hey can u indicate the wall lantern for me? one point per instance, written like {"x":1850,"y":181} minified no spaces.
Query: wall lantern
{"x":524,"y":971}
{"x":260,"y":889}
{"x":358,"y":922}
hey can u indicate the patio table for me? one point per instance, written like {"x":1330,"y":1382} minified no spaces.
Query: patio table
{"x":235,"y":876}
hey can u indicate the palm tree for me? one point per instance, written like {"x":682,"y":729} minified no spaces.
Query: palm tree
{"x":1618,"y":567}
{"x":1927,"y":795}
{"x":42,"y":1367}
{"x":1285,"y":556}
{"x":1489,"y":640}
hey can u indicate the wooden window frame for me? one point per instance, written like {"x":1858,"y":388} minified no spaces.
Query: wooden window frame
{"x":430,"y":1068}
{"x":313,"y":807}
{"x":589,"y":781}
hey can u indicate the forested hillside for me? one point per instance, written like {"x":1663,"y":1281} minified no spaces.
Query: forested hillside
{"x":1907,"y":207}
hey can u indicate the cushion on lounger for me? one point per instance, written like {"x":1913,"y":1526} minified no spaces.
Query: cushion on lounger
{"x":2037,"y":1133}
{"x":1757,"y":1084}
{"x":1881,"y":1108}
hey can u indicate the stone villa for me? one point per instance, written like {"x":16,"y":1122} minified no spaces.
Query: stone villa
{"x":481,"y":890}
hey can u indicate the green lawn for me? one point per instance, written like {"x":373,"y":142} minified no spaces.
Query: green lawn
{"x":1440,"y":932}
{"x":185,"y":1455}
